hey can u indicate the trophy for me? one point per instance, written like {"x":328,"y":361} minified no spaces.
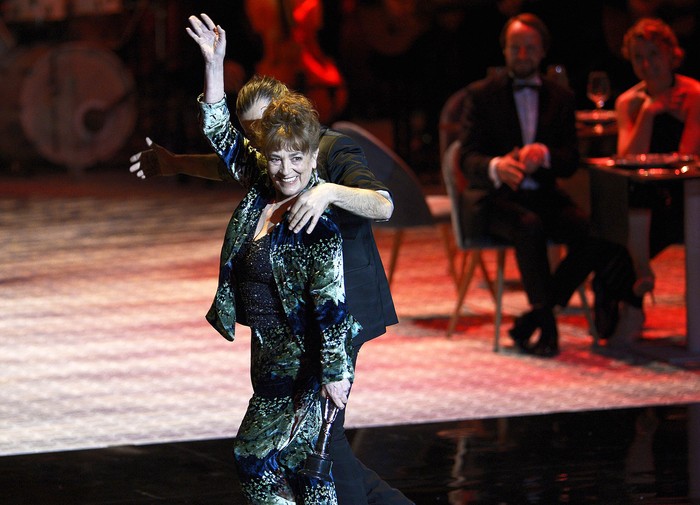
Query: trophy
{"x":318,"y":463}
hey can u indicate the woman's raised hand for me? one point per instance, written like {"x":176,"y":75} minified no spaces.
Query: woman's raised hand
{"x":210,"y":37}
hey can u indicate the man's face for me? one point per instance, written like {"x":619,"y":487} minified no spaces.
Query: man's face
{"x":253,"y":114}
{"x":523,"y":50}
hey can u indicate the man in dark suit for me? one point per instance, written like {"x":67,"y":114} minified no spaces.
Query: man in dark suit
{"x":518,"y":138}
{"x":358,"y":198}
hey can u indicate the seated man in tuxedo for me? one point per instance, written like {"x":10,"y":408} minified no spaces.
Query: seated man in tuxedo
{"x":518,"y":137}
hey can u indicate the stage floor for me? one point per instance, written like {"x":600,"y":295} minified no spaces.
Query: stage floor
{"x":603,"y":457}
{"x":114,"y":389}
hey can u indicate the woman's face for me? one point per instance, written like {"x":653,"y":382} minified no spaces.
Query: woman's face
{"x":290,"y":171}
{"x":650,"y":61}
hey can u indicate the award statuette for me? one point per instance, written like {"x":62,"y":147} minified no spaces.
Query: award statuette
{"x":318,"y":463}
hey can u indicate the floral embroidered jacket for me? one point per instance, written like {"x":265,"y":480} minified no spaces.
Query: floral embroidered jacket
{"x":308,"y":268}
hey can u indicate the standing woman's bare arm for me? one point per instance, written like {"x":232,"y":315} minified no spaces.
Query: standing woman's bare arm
{"x":211,"y":39}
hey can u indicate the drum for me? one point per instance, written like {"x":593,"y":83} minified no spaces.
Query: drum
{"x":73,"y":104}
{"x":95,"y":7}
{"x":34,"y":11}
{"x":42,"y":11}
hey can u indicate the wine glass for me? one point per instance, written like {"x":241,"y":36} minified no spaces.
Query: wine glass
{"x":598,"y":89}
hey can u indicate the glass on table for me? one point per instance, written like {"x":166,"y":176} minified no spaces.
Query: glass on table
{"x":598,"y":91}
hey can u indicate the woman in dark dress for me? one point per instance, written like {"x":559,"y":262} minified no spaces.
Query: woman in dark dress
{"x":660,"y":114}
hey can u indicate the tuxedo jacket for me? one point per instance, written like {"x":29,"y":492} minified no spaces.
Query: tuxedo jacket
{"x":342,"y":161}
{"x":490,"y":127}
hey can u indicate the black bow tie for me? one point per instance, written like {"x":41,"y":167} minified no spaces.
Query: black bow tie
{"x":517,"y":86}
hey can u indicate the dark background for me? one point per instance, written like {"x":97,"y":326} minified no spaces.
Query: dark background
{"x":400,"y":59}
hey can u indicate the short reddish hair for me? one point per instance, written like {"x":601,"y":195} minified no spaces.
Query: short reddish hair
{"x":656,"y":31}
{"x":289,"y":122}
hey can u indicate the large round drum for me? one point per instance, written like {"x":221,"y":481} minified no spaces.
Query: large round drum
{"x":34,"y":11}
{"x":73,"y":104}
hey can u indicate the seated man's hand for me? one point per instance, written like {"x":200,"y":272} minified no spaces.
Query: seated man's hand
{"x":338,"y":392}
{"x":533,"y":157}
{"x":510,"y":171}
{"x":151,"y":162}
{"x":309,"y":206}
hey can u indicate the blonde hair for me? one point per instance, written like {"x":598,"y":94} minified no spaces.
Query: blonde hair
{"x":259,"y":87}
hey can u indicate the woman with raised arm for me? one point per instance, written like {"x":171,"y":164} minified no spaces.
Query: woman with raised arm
{"x":287,"y":286}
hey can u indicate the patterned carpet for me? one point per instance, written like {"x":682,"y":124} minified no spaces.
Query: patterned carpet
{"x":104,"y":282}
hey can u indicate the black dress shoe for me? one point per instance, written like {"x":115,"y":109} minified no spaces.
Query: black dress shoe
{"x":523,"y":328}
{"x":546,"y":350}
{"x":548,"y":344}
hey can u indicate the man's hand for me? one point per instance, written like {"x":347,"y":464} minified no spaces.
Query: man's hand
{"x":338,"y":392}
{"x":151,"y":162}
{"x":533,"y":156}
{"x":157,"y":160}
{"x":309,"y":207}
{"x":510,"y":170}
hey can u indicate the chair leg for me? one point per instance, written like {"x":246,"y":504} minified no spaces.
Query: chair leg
{"x":462,"y":292}
{"x":468,"y":272}
{"x":450,"y":251}
{"x":589,"y":316}
{"x":500,"y":281}
{"x":487,"y":278}
{"x":462,"y":267}
{"x":395,"y":246}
